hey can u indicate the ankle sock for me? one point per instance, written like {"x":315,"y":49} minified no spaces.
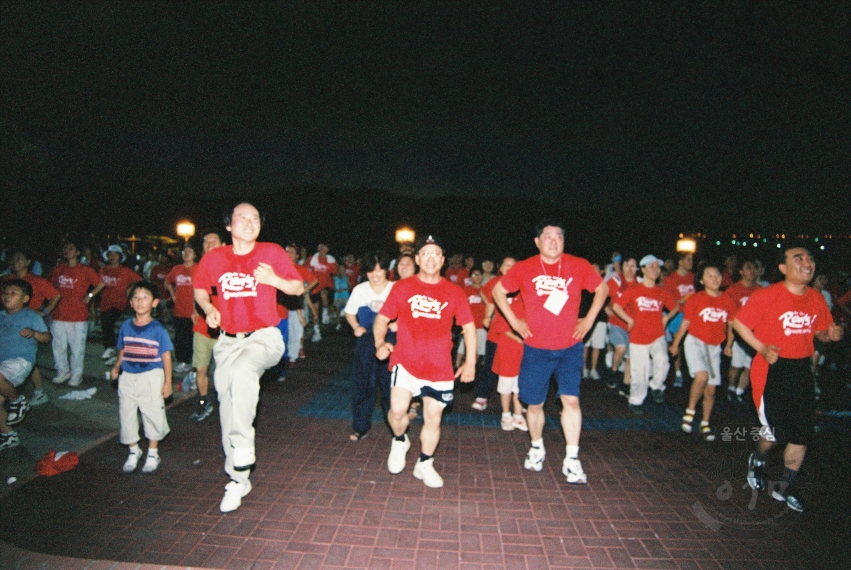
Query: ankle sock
{"x":539,"y":443}
{"x":399,"y":437}
{"x":506,"y":415}
{"x":153,"y":452}
{"x":572,"y":451}
{"x":789,"y":476}
{"x":424,"y":457}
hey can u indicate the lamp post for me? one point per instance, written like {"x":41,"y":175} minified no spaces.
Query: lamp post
{"x":186,"y":230}
{"x":405,"y":236}
{"x":686,"y":245}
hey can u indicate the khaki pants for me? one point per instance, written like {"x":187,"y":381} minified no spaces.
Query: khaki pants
{"x":240,"y":362}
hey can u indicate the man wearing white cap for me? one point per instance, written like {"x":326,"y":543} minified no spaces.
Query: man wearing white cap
{"x":641,"y":308}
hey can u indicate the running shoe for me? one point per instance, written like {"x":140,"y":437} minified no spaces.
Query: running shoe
{"x":756,"y":481}
{"x":535,"y":459}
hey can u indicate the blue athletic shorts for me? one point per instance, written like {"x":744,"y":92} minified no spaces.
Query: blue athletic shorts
{"x":539,"y":365}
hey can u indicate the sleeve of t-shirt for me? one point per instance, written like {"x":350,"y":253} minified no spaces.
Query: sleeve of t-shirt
{"x":201,"y":279}
{"x":47,"y":290}
{"x":122,"y":330}
{"x":689,"y":309}
{"x":511,"y":280}
{"x":592,"y":278}
{"x":356,"y":300}
{"x":390,"y":308}
{"x":670,"y":300}
{"x":463,"y":314}
{"x":283,"y":266}
{"x":624,"y":299}
{"x":749,"y":314}
{"x":94,"y":278}
{"x":36,"y":323}
{"x":170,"y":278}
{"x":164,"y":340}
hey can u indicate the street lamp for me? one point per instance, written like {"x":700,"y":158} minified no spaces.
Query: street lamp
{"x":686,"y":245}
{"x":185,"y":230}
{"x":405,"y":235}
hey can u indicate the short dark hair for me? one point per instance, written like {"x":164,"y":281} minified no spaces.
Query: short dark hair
{"x":785,"y":247}
{"x":373,"y":258}
{"x":539,"y":229}
{"x":22,"y":251}
{"x":24,"y":286}
{"x":143,"y":284}
{"x":216,"y":231}
{"x":698,"y":275}
{"x":226,"y":215}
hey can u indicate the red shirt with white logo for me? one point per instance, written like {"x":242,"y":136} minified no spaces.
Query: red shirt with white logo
{"x":740,"y":294}
{"x":617,"y":285}
{"x":180,"y":278}
{"x":425,"y":312}
{"x":779,"y":317}
{"x":157,"y":275}
{"x":536,"y":280}
{"x":245,"y":305}
{"x":679,"y":285}
{"x":117,"y":280}
{"x":324,"y":267}
{"x":457,"y":275}
{"x":645,"y":305}
{"x":477,"y":305}
{"x":74,"y":284}
{"x":708,"y":316}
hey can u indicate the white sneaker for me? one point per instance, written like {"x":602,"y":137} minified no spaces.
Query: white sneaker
{"x":424,"y":471}
{"x":132,"y":461}
{"x":519,"y":422}
{"x":182,"y":367}
{"x":74,"y":382}
{"x":107,"y":353}
{"x":585,"y":374}
{"x":317,"y":336}
{"x":481,"y":404}
{"x":151,"y":463}
{"x":594,"y":375}
{"x":535,"y":459}
{"x":234,"y":492}
{"x":61,"y":378}
{"x":507,"y":423}
{"x":398,"y":451}
{"x":326,"y":319}
{"x":572,"y":469}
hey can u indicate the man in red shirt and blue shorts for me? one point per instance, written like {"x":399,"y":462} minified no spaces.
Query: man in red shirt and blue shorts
{"x":780,"y":322}
{"x":551,"y":284}
{"x":246,"y":276}
{"x":424,"y":306}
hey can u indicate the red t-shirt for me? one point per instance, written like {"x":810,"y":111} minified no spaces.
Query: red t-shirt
{"x":352,"y":272}
{"x":245,"y":305}
{"x":708,"y":316}
{"x":457,"y":275}
{"x":617,"y":285}
{"x":74,"y":284}
{"x":324,"y":268}
{"x":536,"y":280}
{"x":116,"y":279}
{"x":158,"y":274}
{"x":425,"y":312}
{"x":779,"y":317}
{"x":42,"y":290}
{"x":679,"y":285}
{"x":477,"y":305}
{"x":509,"y":355}
{"x":180,"y":278}
{"x":199,"y":324}
{"x":740,"y":294}
{"x":645,"y":305}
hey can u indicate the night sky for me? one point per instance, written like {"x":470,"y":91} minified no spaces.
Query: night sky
{"x":734,"y":111}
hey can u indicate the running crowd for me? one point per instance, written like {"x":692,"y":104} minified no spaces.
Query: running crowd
{"x":421,"y":324}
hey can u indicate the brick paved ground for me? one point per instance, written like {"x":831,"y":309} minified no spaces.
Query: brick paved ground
{"x":655,"y":498}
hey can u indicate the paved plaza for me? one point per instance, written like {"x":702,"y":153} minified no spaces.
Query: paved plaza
{"x":655,"y":498}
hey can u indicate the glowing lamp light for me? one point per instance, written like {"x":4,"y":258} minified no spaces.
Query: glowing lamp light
{"x":405,"y":235}
{"x":186,"y":230}
{"x":686,"y":245}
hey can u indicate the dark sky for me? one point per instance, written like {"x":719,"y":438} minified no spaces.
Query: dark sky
{"x":735,"y":109}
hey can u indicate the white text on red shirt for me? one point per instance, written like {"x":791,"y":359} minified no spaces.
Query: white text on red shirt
{"x":546,"y":284}
{"x":238,"y":285}
{"x":422,"y":306}
{"x":795,"y":322}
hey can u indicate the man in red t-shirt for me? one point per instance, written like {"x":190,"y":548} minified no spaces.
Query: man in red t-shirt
{"x":421,"y":360}
{"x":739,"y":374}
{"x":247,"y":276}
{"x":324,"y":267}
{"x":77,"y":283}
{"x":180,"y":288}
{"x":780,"y":322}
{"x":551,"y":285}
{"x":641,"y":308}
{"x":113,"y":300}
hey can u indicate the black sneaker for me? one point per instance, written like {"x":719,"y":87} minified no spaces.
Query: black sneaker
{"x":17,"y":411}
{"x":658,"y":396}
{"x":636,"y":410}
{"x":756,"y":481}
{"x":203,"y":411}
{"x":9,"y":440}
{"x":786,"y":493}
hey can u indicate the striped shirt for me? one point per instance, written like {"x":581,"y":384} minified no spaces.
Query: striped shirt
{"x":143,"y":346}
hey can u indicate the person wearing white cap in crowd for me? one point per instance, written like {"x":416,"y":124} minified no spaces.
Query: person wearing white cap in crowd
{"x":641,"y":308}
{"x":113,"y":300}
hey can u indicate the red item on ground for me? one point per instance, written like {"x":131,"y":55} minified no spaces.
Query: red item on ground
{"x":54,"y":463}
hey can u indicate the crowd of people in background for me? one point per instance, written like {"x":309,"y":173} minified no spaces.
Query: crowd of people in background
{"x":636,"y":316}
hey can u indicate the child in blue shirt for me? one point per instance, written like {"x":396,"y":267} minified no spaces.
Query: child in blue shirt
{"x":144,"y":363}
{"x":20,"y":329}
{"x":341,"y":294}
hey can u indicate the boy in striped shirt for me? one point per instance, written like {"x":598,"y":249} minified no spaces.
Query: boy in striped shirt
{"x":144,"y":363}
